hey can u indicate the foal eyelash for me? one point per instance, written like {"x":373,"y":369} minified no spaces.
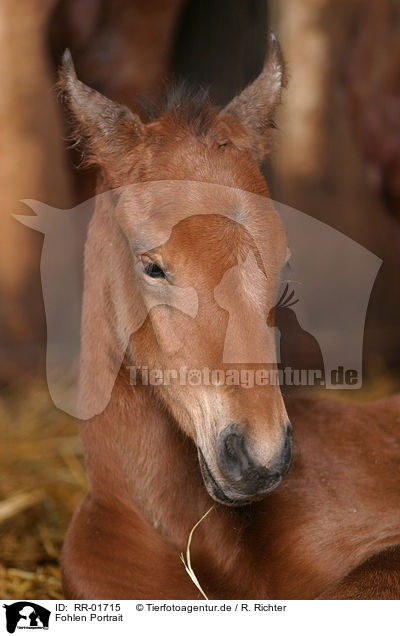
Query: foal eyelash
{"x":154,"y":271}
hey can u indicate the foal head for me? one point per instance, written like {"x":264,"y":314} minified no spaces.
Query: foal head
{"x":188,"y":255}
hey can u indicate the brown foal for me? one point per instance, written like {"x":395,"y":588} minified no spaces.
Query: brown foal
{"x":159,"y":456}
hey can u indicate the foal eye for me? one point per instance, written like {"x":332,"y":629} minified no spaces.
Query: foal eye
{"x":154,"y":271}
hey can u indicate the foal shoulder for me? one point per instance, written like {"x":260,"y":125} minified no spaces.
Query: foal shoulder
{"x":343,"y":420}
{"x":338,"y":506}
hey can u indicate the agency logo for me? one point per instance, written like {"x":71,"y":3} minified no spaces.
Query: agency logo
{"x":26,"y":615}
{"x":294,"y":291}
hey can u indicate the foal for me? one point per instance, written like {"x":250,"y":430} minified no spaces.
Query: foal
{"x":158,"y":456}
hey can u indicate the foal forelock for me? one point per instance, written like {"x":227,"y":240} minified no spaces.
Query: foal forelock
{"x":189,"y":110}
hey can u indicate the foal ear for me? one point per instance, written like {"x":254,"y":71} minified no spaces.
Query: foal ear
{"x":101,"y":127}
{"x":255,"y":106}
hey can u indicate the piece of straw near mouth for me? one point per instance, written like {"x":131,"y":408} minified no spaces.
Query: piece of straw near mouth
{"x":187,"y":562}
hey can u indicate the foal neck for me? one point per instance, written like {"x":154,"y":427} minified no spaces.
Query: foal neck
{"x":138,"y":460}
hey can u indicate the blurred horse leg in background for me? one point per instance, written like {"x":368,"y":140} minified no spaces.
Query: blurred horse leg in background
{"x":120,"y":47}
{"x":319,"y":167}
{"x":33,"y":165}
{"x":373,"y":86}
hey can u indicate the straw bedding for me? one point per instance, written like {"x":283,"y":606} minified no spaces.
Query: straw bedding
{"x":42,"y":479}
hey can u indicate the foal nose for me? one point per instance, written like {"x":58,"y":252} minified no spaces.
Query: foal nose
{"x":239,"y":468}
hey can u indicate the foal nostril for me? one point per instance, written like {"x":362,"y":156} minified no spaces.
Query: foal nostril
{"x":287,"y":453}
{"x":233,"y":458}
{"x":238,"y":467}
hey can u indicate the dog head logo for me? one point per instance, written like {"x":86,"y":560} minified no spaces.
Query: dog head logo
{"x":331,"y":277}
{"x":26,"y":615}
